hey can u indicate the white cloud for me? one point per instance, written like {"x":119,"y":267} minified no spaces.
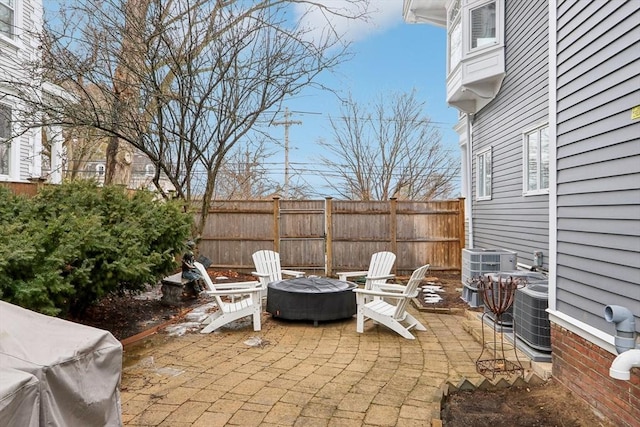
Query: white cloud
{"x":383,"y":14}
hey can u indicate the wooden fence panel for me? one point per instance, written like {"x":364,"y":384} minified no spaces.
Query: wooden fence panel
{"x":235,"y":230}
{"x":302,"y":234}
{"x":429,"y":233}
{"x":28,"y":189}
{"x":326,"y":236}
{"x":359,"y":229}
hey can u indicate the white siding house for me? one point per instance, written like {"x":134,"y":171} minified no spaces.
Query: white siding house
{"x":550,"y":137}
{"x":20,"y":152}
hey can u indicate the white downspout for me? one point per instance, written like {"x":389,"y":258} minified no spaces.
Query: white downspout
{"x":625,"y":341}
{"x":470,"y":176}
{"x":621,"y":367}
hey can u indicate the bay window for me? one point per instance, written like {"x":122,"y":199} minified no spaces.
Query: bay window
{"x":476,"y":55}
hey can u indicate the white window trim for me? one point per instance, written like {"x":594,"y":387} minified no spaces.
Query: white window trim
{"x":525,"y":161}
{"x":16,"y":41}
{"x":467,"y":30}
{"x":482,"y":154}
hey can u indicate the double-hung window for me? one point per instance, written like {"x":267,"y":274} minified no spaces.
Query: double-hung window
{"x":7,"y":16}
{"x":483,"y":173}
{"x":483,"y":25}
{"x":5,"y":134}
{"x":536,"y":161}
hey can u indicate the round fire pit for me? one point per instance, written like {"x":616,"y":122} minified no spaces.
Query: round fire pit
{"x":311,"y":298}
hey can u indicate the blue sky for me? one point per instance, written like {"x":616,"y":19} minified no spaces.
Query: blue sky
{"x":389,"y":56}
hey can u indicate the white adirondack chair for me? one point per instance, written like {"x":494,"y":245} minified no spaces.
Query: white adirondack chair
{"x":250,"y":305}
{"x":379,"y":271}
{"x":389,"y":307}
{"x":268,"y":269}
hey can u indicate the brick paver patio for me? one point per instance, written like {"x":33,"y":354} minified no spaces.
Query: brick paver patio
{"x":301,"y":375}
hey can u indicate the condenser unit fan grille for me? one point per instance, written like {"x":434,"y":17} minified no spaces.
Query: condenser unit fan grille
{"x":530,"y":317}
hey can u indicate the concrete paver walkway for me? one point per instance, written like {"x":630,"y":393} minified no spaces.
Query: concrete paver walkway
{"x":302,"y":375}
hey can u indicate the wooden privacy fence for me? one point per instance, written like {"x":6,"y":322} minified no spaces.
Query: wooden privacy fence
{"x":28,"y":189}
{"x":326,"y":236}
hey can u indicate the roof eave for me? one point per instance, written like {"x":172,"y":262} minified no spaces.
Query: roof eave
{"x":432,"y":12}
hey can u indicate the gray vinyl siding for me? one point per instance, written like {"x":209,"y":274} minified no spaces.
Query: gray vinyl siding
{"x":598,"y":159}
{"x":510,"y":220}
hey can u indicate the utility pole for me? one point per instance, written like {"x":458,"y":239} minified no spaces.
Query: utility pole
{"x":286,"y":123}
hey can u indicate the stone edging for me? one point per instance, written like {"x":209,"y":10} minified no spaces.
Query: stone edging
{"x":154,"y":329}
{"x":437,"y":310}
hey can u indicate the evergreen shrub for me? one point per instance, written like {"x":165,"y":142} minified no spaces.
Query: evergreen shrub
{"x":72,"y":244}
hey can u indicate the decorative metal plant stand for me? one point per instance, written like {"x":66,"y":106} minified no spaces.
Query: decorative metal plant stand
{"x":498,"y":297}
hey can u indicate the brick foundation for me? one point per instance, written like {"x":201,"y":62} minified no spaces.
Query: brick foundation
{"x":583,"y":368}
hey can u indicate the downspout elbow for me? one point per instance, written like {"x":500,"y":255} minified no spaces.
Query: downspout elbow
{"x":621,"y":367}
{"x":625,"y":338}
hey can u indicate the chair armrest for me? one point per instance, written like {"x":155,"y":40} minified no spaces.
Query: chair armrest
{"x":255,"y":273}
{"x":387,"y":277}
{"x":384,"y":294}
{"x":236,"y":291}
{"x":238,"y":285}
{"x":391,"y":287}
{"x":293,"y":273}
{"x":343,"y":276}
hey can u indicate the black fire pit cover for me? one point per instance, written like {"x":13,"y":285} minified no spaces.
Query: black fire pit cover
{"x":312,"y":285}
{"x":311,"y":298}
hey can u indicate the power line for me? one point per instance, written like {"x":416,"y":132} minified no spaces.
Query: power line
{"x":387,"y":119}
{"x":286,"y":123}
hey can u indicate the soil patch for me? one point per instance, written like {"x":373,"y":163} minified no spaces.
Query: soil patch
{"x":127,"y":315}
{"x":450,"y":292}
{"x":546,"y":405}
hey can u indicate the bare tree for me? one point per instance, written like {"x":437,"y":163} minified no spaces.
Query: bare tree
{"x":182,"y":81}
{"x":391,"y":151}
{"x":243,"y":174}
{"x":246,"y":174}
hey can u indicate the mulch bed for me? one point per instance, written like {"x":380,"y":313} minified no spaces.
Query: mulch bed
{"x":451,"y":294}
{"x":127,"y":315}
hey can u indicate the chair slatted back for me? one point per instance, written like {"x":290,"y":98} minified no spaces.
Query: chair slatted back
{"x":380,"y":265}
{"x":417,"y":277}
{"x":268,"y":262}
{"x":207,"y":280}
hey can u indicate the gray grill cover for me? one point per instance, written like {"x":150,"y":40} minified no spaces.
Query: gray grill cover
{"x":78,"y":367}
{"x":19,"y":398}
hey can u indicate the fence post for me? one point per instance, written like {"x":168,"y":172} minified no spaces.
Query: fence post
{"x":393,"y":228}
{"x":328,"y":237}
{"x":276,"y":224}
